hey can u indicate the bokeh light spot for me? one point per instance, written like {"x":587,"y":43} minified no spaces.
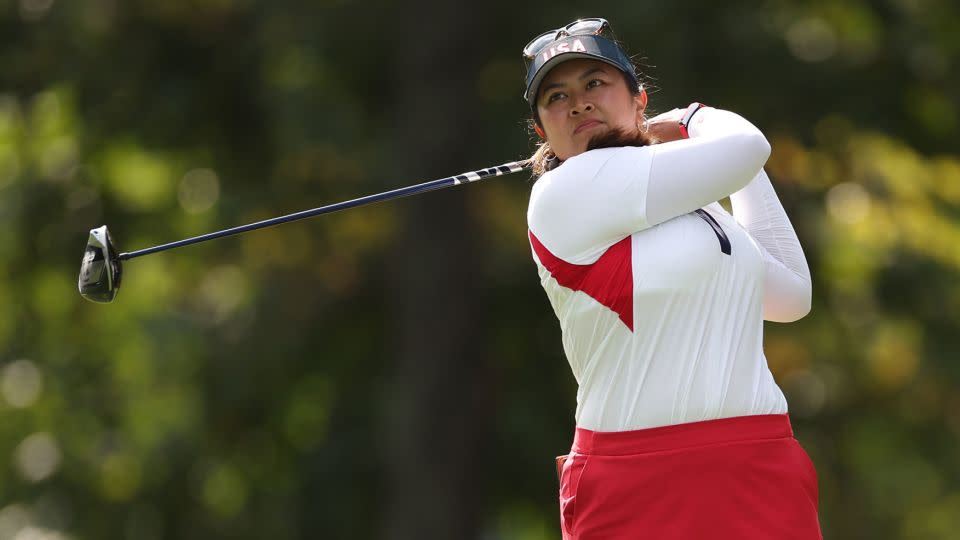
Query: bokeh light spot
{"x":308,"y":411}
{"x":37,"y":457}
{"x":224,"y":490}
{"x":54,"y":293}
{"x":199,"y":190}
{"x":522,"y":521}
{"x":20,"y":383}
{"x":10,"y":121}
{"x":934,"y":109}
{"x":13,"y":519}
{"x":848,"y":203}
{"x":894,"y":355}
{"x":140,"y":179}
{"x":9,"y":164}
{"x":120,"y":477}
{"x":223,"y":290}
{"x":34,"y":10}
{"x":928,"y":62}
{"x":10,"y":129}
{"x":47,"y":118}
{"x":39,"y":533}
{"x":57,"y":157}
{"x":811,"y":40}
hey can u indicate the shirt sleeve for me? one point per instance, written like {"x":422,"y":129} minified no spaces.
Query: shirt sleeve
{"x":724,"y":152}
{"x":591,"y":202}
{"x":787,"y":284}
{"x":595,"y":199}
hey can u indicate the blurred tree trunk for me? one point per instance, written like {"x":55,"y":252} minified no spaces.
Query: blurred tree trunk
{"x":434,"y":414}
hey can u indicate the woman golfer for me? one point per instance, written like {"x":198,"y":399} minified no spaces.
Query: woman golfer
{"x":661,"y":294}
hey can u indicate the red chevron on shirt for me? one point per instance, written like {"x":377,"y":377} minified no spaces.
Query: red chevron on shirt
{"x":609,"y":280}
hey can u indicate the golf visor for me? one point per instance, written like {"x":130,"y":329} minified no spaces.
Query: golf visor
{"x":593,"y":47}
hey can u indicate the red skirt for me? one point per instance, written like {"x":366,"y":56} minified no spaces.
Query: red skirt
{"x":735,"y":478}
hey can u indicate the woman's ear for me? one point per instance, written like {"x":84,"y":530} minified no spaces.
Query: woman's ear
{"x":641,"y":100}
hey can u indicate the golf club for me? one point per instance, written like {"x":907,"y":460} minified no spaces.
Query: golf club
{"x":101,"y":267}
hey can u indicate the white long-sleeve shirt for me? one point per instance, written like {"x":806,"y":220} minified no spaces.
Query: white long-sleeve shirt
{"x":660,"y":293}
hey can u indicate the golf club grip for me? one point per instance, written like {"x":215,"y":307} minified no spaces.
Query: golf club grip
{"x":472,"y":176}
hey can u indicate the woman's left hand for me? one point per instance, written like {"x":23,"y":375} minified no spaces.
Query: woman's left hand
{"x":666,"y":127}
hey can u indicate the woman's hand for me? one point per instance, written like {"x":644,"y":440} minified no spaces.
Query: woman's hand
{"x":666,"y":127}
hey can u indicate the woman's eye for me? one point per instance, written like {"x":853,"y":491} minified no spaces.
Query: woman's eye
{"x":594,"y":82}
{"x":555,"y":96}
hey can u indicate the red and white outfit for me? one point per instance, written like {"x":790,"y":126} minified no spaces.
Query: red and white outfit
{"x":661,"y":296}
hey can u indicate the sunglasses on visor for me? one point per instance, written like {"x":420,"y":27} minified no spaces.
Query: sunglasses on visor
{"x":580,"y":27}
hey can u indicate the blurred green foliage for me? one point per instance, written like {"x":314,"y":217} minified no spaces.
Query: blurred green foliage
{"x":240,"y":389}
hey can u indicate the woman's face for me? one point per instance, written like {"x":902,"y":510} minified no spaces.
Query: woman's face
{"x":580,"y":99}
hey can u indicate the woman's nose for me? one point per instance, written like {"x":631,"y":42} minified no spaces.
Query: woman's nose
{"x":581,"y":106}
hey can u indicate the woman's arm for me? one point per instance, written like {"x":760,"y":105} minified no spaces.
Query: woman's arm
{"x":597,"y":198}
{"x":724,"y":152}
{"x":589,"y":203}
{"x":787,"y":286}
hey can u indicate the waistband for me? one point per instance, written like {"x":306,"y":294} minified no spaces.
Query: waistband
{"x":723,"y":430}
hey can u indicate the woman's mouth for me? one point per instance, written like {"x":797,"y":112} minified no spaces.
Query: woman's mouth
{"x":586,"y":125}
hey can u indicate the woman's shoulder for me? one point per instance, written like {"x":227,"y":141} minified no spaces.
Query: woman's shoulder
{"x":589,"y":164}
{"x":600,"y":156}
{"x":608,"y":170}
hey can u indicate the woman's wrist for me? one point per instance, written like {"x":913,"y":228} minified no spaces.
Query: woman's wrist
{"x":687,"y":118}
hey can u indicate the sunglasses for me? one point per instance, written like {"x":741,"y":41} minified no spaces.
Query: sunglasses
{"x":581,"y":27}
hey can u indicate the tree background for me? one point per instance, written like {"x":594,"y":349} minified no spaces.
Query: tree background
{"x":395,"y":371}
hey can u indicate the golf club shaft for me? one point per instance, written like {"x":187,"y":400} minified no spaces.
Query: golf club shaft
{"x":472,"y":176}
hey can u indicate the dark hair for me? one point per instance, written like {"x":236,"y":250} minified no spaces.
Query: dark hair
{"x":544,"y":159}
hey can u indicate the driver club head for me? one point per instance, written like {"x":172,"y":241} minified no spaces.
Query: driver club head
{"x":100,"y":269}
